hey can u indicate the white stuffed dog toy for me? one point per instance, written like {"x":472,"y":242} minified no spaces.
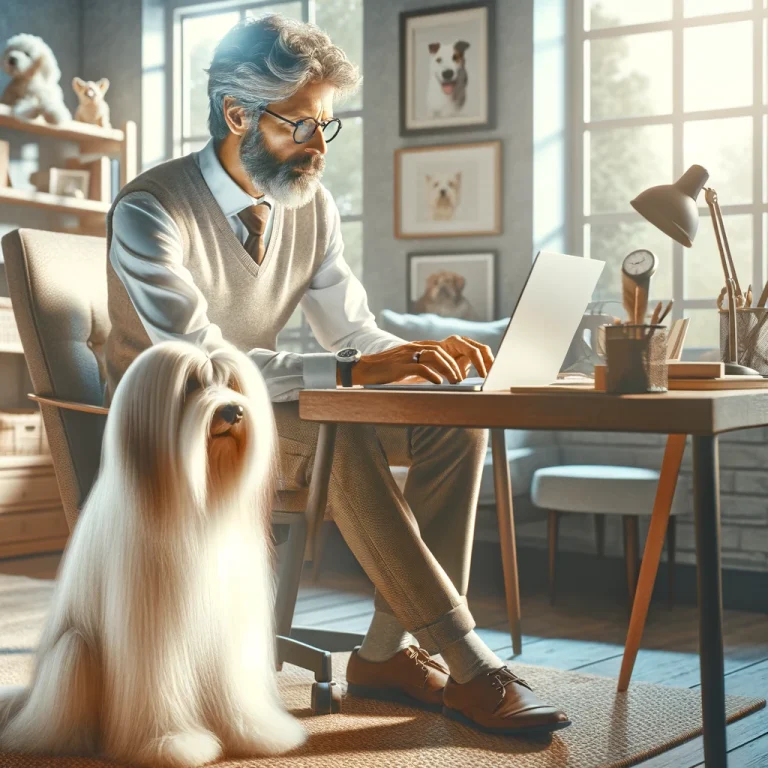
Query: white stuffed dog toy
{"x":34,"y":88}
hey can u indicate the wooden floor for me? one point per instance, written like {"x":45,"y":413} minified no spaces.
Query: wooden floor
{"x":578,"y":633}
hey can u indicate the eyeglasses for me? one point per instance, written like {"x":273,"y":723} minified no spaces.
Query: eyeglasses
{"x":304,"y":130}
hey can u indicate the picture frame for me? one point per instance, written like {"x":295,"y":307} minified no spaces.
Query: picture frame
{"x":450,"y":190}
{"x":68,"y":182}
{"x":440,"y":93}
{"x":433,"y":284}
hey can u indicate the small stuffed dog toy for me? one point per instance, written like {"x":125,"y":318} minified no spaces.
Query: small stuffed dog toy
{"x":93,"y":109}
{"x":34,"y":88}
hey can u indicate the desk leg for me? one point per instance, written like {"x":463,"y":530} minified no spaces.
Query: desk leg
{"x":503,"y":487}
{"x":654,"y":543}
{"x":706,"y":487}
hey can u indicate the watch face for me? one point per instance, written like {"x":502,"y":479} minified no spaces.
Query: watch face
{"x":639,"y":263}
{"x":347,"y":353}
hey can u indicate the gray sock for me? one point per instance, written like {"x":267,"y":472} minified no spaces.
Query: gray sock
{"x":468,"y":657}
{"x":384,"y":638}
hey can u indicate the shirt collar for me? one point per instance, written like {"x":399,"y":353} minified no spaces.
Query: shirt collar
{"x":230,"y":196}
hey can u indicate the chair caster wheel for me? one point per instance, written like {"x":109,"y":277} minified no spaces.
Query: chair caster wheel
{"x":326,"y":698}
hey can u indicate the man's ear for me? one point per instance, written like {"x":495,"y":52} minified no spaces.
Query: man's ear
{"x":103,"y":85}
{"x":235,"y":116}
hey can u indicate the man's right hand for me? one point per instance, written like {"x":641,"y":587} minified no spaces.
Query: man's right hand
{"x":426,"y":360}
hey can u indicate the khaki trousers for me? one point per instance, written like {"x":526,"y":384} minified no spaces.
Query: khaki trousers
{"x":415,"y":546}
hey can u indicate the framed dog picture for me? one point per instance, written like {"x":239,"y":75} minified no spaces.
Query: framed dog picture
{"x":461,"y":285}
{"x":448,"y":191}
{"x":447,"y":68}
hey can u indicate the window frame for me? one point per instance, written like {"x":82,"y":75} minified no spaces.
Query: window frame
{"x":296,"y":338}
{"x":577,"y":129}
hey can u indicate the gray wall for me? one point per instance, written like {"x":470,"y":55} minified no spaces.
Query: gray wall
{"x":384,"y":255}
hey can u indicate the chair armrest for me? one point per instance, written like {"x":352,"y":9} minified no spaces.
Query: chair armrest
{"x":68,"y":405}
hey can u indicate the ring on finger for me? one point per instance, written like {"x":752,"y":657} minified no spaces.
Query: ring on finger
{"x":417,"y":354}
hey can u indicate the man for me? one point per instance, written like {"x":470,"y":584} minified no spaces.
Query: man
{"x":222,"y":246}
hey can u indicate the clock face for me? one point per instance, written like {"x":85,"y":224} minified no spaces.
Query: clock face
{"x":639,"y":263}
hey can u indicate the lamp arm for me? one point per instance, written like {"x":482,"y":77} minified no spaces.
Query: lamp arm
{"x":711,"y":197}
{"x":727,"y":246}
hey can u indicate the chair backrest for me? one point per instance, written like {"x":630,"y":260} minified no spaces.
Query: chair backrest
{"x":58,"y":288}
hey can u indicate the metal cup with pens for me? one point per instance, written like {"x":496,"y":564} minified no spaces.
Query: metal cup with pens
{"x":636,"y":359}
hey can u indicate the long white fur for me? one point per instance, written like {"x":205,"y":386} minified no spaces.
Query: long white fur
{"x":159,"y":644}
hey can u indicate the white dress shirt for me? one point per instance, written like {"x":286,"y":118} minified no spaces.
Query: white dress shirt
{"x":146,"y":253}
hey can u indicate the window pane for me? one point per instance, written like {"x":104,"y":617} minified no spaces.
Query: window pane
{"x":616,"y":13}
{"x":200,"y":36}
{"x":344,"y":167}
{"x":712,"y":80}
{"x":625,"y":161}
{"x":704,"y":7}
{"x":292,"y":10}
{"x":629,"y":76}
{"x":352,"y":234}
{"x":612,"y":241}
{"x":724,"y":148}
{"x":192,"y":146}
{"x":703,"y":271}
{"x":703,"y":331}
{"x":343,"y":21}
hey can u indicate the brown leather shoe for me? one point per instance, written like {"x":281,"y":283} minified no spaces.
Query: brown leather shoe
{"x":500,"y":702}
{"x":411,"y":677}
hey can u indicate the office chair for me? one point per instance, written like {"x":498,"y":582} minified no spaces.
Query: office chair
{"x":58,"y":288}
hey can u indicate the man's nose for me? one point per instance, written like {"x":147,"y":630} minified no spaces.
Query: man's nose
{"x":317,"y":145}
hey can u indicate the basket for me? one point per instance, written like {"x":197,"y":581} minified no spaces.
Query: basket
{"x":9,"y":331}
{"x":752,"y":326}
{"x":22,"y":433}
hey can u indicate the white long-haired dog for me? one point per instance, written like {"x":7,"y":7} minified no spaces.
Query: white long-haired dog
{"x":159,"y":647}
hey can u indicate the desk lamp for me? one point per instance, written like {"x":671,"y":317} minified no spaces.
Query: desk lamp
{"x":673,"y":209}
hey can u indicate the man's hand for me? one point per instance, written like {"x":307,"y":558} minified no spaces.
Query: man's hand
{"x":434,"y":361}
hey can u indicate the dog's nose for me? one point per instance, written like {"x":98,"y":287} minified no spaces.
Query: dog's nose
{"x":447,"y":74}
{"x":232,"y":414}
{"x":13,"y":61}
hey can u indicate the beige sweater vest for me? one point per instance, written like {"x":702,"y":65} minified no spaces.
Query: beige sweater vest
{"x":250,"y":302}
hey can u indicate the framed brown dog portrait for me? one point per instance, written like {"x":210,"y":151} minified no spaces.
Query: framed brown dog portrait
{"x":449,"y":190}
{"x":461,"y":285}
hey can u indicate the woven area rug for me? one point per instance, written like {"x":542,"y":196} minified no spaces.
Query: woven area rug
{"x":609,"y":729}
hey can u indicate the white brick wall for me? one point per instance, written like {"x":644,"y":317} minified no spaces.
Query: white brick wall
{"x":743,"y":489}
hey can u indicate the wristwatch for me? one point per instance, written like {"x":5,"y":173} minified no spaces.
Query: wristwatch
{"x":345,"y":362}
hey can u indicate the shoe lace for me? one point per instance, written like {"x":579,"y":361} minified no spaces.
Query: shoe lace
{"x":424,"y":660}
{"x":503,"y":676}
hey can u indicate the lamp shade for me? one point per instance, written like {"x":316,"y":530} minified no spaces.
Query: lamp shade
{"x":672,"y":207}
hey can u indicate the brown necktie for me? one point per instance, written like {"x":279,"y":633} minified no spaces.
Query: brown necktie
{"x":255,"y":220}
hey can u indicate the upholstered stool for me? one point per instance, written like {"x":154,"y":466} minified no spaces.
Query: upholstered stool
{"x":600,"y":491}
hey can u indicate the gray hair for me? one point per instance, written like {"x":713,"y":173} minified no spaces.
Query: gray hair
{"x":260,"y":61}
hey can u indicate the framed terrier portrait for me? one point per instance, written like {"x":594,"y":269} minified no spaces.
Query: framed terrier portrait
{"x":448,"y":191}
{"x":447,"y":69}
{"x":461,"y":285}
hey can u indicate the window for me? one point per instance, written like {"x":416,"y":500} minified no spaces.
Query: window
{"x":197,"y":30}
{"x":658,"y":86}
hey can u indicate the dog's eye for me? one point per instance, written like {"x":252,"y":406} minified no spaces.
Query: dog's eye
{"x":439,"y":59}
{"x":192,"y":385}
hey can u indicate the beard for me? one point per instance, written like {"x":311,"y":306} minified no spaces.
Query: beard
{"x":283,"y":180}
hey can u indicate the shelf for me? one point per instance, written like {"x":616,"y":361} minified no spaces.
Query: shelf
{"x":99,"y":140}
{"x":72,"y":205}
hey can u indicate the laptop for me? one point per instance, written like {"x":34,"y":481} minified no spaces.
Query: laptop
{"x":556,"y":294}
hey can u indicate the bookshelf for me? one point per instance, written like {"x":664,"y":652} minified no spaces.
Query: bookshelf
{"x":93,"y":142}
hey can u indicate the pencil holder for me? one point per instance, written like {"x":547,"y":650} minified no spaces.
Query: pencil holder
{"x":636,"y":359}
{"x":752,"y":327}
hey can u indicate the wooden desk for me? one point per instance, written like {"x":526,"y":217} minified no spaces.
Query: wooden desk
{"x":702,"y":414}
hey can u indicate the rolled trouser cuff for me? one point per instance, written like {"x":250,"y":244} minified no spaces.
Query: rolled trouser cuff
{"x":449,"y":628}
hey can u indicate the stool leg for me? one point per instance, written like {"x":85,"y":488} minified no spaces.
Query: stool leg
{"x":553,"y":524}
{"x":671,"y":542}
{"x":631,"y":552}
{"x":600,"y":534}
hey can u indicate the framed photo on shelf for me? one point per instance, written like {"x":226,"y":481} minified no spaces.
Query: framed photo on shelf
{"x":447,"y":68}
{"x":448,"y":191}
{"x":69,"y":182}
{"x":461,"y":285}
